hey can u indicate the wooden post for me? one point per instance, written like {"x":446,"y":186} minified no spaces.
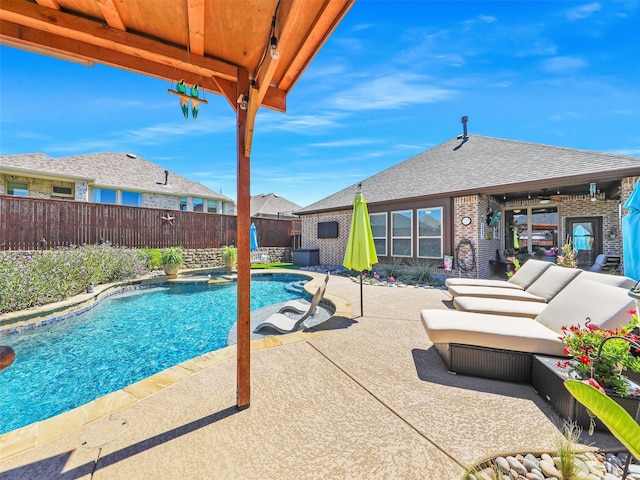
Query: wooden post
{"x":243,"y":392}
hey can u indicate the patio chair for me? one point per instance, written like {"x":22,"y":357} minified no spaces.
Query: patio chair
{"x":525,"y":276}
{"x":545,"y":287}
{"x":518,"y":308}
{"x":301,"y":306}
{"x":285,"y":324}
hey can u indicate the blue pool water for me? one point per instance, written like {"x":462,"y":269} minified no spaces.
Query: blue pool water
{"x":122,"y":340}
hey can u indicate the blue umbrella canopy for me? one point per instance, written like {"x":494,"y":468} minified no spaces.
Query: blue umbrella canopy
{"x":631,"y":234}
{"x":253,"y":237}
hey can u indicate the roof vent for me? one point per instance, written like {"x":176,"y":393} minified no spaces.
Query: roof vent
{"x":166,"y":178}
{"x":131,"y":155}
{"x":464,"y":135}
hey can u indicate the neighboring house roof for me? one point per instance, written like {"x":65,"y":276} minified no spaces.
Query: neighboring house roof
{"x":39,"y":165}
{"x":270,"y":204}
{"x":123,"y":171}
{"x":483,"y":165}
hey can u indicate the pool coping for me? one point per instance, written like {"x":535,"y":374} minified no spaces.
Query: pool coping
{"x":38,"y":433}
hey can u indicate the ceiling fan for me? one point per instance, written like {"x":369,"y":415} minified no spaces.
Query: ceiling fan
{"x":544,"y":198}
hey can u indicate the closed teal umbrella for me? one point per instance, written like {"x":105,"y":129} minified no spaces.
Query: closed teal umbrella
{"x":361,"y":250}
{"x":253,"y":237}
{"x":631,"y":234}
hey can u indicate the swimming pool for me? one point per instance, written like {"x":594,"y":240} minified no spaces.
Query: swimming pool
{"x":125,"y":338}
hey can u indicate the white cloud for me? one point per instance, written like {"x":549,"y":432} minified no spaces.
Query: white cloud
{"x":563,"y":64}
{"x":391,"y":92}
{"x":583,"y":11}
{"x":353,"y":142}
{"x":305,"y":124}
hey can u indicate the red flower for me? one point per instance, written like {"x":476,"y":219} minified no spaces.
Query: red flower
{"x":584,"y":359}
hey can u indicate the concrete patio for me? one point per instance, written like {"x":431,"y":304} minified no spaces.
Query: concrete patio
{"x":360,"y":397}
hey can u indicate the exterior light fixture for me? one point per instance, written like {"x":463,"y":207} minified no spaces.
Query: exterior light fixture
{"x":243,"y":100}
{"x":592,"y":192}
{"x":273,"y":50}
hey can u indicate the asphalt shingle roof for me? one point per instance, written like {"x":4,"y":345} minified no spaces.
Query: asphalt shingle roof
{"x":116,"y":170}
{"x":481,"y":164}
{"x":272,"y":204}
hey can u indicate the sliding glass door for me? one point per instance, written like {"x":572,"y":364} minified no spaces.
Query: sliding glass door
{"x":532,"y":230}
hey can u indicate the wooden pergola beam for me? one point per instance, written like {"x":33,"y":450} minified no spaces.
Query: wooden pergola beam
{"x":195,"y":12}
{"x":263,"y":77}
{"x":111,"y":14}
{"x":87,"y":31}
{"x":16,"y":34}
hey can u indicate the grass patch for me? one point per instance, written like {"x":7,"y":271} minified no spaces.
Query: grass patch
{"x":287,"y":265}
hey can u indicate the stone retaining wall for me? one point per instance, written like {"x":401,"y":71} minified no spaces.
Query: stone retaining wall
{"x":211,"y":257}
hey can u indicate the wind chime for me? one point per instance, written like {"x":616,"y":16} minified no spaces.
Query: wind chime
{"x":193,"y":95}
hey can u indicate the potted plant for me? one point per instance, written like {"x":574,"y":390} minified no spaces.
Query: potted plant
{"x":229,"y":256}
{"x":602,"y":355}
{"x":172,"y":259}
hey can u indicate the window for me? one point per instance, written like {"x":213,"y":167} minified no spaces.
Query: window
{"x":379,"y":232}
{"x":401,"y":233}
{"x":18,"y":189}
{"x":104,"y":195}
{"x":132,"y":198}
{"x":183,"y":204}
{"x":62,"y":192}
{"x":212,"y":206}
{"x":531,"y":229}
{"x":198,"y":205}
{"x":430,"y":233}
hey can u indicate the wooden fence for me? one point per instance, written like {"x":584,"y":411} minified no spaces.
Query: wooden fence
{"x":24,"y":222}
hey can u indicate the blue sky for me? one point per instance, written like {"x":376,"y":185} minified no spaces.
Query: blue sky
{"x":392,"y":81}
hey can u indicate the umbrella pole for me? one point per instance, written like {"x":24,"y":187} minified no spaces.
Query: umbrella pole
{"x":361,"y":302}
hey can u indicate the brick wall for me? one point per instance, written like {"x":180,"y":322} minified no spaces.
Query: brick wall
{"x":331,"y":249}
{"x":467,"y":206}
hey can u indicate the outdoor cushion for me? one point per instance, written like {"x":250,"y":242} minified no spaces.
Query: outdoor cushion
{"x":491,"y":331}
{"x":605,"y":305}
{"x":546,"y":286}
{"x":525,"y":276}
{"x":615,"y":280}
{"x":516,"y":308}
{"x":494,"y":292}
{"x":552,"y":281}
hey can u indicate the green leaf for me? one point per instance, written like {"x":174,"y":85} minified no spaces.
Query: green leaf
{"x":612,"y":415}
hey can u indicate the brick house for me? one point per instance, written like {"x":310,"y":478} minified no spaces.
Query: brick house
{"x":473,"y":197}
{"x":116,"y":178}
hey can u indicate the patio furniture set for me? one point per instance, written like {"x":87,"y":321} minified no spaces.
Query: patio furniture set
{"x":510,"y":330}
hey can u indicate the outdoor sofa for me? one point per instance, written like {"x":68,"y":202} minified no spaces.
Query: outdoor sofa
{"x":502,"y":346}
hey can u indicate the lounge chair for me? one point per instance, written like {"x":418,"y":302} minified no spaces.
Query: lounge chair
{"x":525,"y":276}
{"x":606,"y":263}
{"x":518,"y":308}
{"x":544,"y":288}
{"x":301,"y":306}
{"x":285,"y":324}
{"x":501,"y":346}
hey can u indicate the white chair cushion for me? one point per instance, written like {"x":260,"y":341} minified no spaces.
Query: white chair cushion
{"x":605,"y":305}
{"x":516,"y":308}
{"x":491,"y":331}
{"x":552,"y":281}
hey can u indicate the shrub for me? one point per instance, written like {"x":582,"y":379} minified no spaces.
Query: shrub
{"x":29,"y":279}
{"x":153,"y":257}
{"x":422,"y":273}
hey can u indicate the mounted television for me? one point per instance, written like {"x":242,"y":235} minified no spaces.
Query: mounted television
{"x":327,"y":229}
